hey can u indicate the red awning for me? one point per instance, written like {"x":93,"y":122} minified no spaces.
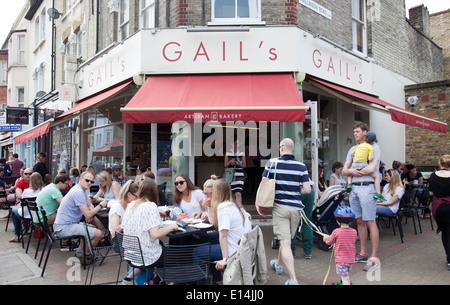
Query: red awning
{"x":33,"y":133}
{"x":106,"y":151}
{"x":91,"y":101}
{"x":222,"y":98}
{"x":397,"y":114}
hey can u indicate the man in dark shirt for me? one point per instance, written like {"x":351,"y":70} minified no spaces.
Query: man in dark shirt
{"x":41,"y":168}
{"x":15,"y":166}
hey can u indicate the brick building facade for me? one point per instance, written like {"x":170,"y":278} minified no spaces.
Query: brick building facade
{"x":423,"y":147}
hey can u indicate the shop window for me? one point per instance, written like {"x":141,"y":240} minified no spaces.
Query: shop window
{"x":62,"y":148}
{"x":235,"y":12}
{"x":104,"y":134}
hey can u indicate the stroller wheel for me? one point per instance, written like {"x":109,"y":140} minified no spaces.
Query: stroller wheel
{"x":275,"y":243}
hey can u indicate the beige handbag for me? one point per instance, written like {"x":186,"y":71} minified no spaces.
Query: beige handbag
{"x":265,"y":196}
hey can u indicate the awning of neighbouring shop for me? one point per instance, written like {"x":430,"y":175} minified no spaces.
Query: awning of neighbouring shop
{"x":90,"y":102}
{"x":34,"y":132}
{"x":109,"y":150}
{"x":218,"y":97}
{"x":397,"y":114}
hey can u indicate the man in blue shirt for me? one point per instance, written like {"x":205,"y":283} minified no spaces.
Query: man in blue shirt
{"x":73,"y":207}
{"x":291,"y":181}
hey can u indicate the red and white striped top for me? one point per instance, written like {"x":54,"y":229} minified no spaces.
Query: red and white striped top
{"x":345,"y":249}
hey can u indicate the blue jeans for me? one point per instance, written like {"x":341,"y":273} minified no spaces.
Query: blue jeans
{"x":17,"y":220}
{"x":215,"y":255}
{"x":384,"y":210}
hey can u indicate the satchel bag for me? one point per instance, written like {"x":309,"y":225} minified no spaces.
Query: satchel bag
{"x":229,"y":174}
{"x":265,"y":196}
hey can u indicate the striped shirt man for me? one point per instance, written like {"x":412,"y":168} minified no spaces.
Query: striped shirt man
{"x":289,"y":175}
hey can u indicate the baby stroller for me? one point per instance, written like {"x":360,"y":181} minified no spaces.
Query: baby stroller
{"x":323,"y":212}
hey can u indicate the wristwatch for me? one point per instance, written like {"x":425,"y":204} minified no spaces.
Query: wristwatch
{"x":225,"y":259}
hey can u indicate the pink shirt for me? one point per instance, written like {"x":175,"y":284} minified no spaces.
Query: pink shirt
{"x":345,"y":249}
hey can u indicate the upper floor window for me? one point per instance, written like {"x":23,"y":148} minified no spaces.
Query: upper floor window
{"x":21,"y":49}
{"x":20,"y":97}
{"x":4,"y":73}
{"x":236,"y":12}
{"x":39,"y":28}
{"x":124,"y":19}
{"x":359,"y":25}
{"x":147,"y":8}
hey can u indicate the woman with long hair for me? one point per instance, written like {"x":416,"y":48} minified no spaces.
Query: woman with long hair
{"x":142,"y":219}
{"x":108,"y":188}
{"x":230,"y":219}
{"x":187,"y":195}
{"x":128,"y":193}
{"x":393,"y":191}
{"x":36,"y":185}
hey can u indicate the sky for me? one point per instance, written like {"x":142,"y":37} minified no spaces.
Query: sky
{"x":11,"y":8}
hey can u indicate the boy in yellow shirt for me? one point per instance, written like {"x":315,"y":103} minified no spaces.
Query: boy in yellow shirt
{"x":362,"y":155}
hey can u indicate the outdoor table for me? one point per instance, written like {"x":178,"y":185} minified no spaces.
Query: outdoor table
{"x":186,"y":234}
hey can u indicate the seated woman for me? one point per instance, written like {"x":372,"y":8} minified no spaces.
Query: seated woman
{"x":393,"y":191}
{"x":187,"y":195}
{"x":142,"y":219}
{"x":108,"y":188}
{"x":336,"y":177}
{"x":36,"y":185}
{"x":230,"y":219}
{"x":128,"y":193}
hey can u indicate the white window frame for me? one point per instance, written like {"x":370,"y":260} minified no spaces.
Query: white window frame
{"x":4,"y":72}
{"x":79,"y":44}
{"x":358,"y":20}
{"x":124,"y":19}
{"x":147,"y":14}
{"x":20,"y":103}
{"x":255,"y":19}
{"x":21,"y":49}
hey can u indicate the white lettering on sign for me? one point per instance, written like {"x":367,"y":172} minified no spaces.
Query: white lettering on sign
{"x":336,"y":66}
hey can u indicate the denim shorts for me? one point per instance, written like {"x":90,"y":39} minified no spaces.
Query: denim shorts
{"x":362,"y":202}
{"x":73,"y":229}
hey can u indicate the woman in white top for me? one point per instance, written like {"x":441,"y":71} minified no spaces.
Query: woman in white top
{"x":230,"y":219}
{"x":128,"y":193}
{"x":393,"y":192}
{"x":35,"y":186}
{"x":142,"y":219}
{"x":336,"y":177}
{"x":187,"y":195}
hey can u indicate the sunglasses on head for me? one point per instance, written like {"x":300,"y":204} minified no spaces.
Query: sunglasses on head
{"x":89,"y":181}
{"x":180,"y":183}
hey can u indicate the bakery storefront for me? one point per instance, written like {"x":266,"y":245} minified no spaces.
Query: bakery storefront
{"x":184,"y":95}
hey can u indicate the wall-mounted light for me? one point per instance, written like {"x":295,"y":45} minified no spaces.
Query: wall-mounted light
{"x":413,"y":100}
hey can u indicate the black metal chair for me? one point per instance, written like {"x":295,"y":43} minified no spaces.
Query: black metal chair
{"x":131,"y":252}
{"x":390,"y":221}
{"x":100,"y":252}
{"x":24,"y":202}
{"x":45,"y":227}
{"x":7,"y":205}
{"x":185,"y":263}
